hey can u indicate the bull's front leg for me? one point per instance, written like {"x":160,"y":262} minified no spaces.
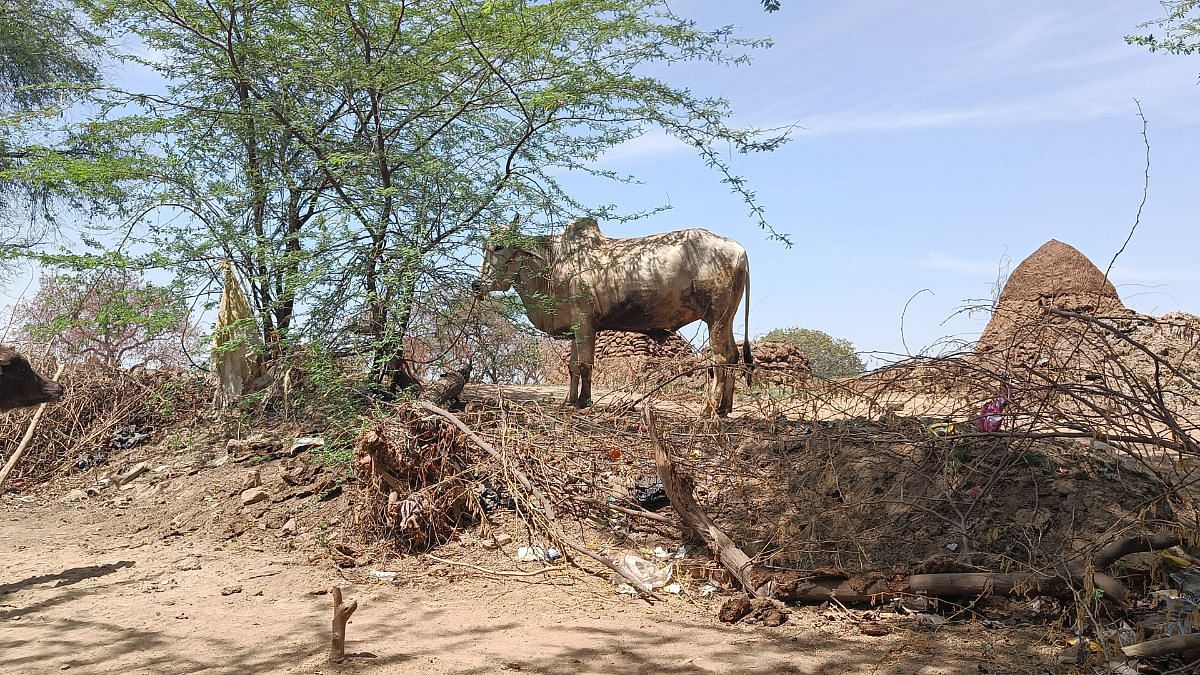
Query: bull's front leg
{"x":573,"y":369}
{"x":585,"y":348}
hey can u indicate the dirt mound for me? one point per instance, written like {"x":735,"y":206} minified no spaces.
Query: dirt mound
{"x":1057,"y":270}
{"x":1056,"y":276}
{"x":860,"y":496}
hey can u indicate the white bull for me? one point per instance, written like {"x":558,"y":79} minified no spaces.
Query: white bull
{"x":580,"y":282}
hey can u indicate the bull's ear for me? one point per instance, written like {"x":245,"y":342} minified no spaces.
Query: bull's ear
{"x":7,"y":355}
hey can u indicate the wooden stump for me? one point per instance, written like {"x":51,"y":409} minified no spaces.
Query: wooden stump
{"x":341,"y":614}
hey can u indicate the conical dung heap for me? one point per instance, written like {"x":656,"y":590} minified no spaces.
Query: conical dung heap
{"x":1055,"y":276}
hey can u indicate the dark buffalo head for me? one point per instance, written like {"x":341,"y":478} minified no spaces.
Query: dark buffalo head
{"x":21,"y":385}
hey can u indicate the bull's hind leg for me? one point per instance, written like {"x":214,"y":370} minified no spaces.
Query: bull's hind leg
{"x":724,"y":350}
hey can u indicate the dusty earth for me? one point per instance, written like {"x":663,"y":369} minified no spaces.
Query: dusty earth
{"x":159,"y":577}
{"x":91,"y":591}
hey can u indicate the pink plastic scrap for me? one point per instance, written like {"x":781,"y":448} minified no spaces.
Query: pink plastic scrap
{"x":990,"y":416}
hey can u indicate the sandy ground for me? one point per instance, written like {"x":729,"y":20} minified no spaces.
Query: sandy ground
{"x":112,"y":585}
{"x":91,"y":590}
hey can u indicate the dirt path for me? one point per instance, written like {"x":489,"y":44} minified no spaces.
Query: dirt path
{"x":91,"y":590}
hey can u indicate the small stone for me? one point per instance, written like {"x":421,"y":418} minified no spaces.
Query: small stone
{"x":65,"y":666}
{"x":230,"y":590}
{"x":252,"y":479}
{"x":289,"y":528}
{"x":774,"y":617}
{"x":502,"y":539}
{"x":76,"y":495}
{"x":257,"y":594}
{"x":254,"y":495}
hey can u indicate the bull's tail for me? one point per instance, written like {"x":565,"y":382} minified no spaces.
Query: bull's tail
{"x":747,"y":358}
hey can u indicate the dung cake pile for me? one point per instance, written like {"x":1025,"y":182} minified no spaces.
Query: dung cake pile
{"x":624,"y":358}
{"x":779,"y":363}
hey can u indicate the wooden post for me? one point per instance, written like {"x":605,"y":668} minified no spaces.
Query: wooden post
{"x":341,"y":614}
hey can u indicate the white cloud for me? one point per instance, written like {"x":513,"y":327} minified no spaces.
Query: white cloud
{"x":650,"y":144}
{"x":1089,"y":100}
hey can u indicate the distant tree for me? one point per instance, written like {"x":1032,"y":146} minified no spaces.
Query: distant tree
{"x":771,"y":5}
{"x":830,"y":357}
{"x":113,"y":317}
{"x":1179,"y":30}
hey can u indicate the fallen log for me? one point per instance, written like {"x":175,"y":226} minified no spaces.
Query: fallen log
{"x":1164,"y":646}
{"x":696,"y":523}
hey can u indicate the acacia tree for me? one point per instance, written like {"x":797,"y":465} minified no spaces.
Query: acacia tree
{"x":346,"y":153}
{"x":46,"y":58}
{"x":1179,"y":29}
{"x":113,"y":317}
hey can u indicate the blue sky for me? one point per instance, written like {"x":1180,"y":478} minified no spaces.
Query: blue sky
{"x":939,"y":143}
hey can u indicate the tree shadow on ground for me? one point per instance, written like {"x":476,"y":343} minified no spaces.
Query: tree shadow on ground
{"x":66,"y":577}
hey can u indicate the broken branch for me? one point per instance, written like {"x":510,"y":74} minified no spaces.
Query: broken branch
{"x":341,"y":614}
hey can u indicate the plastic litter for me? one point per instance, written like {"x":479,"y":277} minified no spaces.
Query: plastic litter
{"x":649,"y":576}
{"x":662,"y":553}
{"x":991,"y":415}
{"x":126,"y":437}
{"x":383,"y":576}
{"x":537,"y":553}
{"x":941,"y":429}
{"x":305,"y":443}
{"x":494,"y":497}
{"x":708,"y":587}
{"x":649,"y":493}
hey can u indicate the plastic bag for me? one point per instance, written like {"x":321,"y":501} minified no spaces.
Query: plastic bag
{"x":648,"y":576}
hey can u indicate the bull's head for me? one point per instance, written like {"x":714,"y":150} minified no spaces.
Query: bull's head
{"x":21,"y":385}
{"x":499,"y":268}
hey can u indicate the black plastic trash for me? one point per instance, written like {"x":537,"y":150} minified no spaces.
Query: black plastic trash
{"x":495,"y":497}
{"x":89,"y":460}
{"x":127,"y":437}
